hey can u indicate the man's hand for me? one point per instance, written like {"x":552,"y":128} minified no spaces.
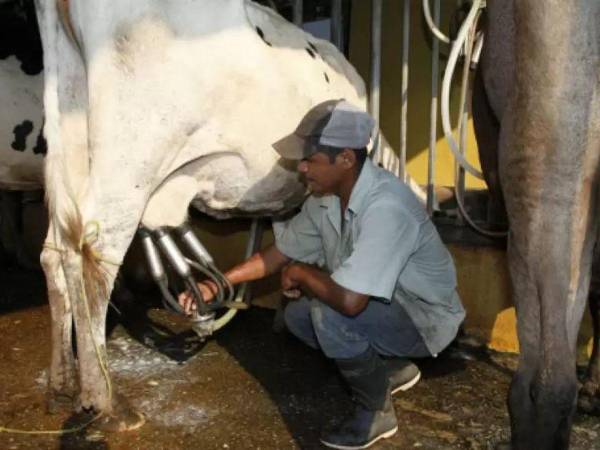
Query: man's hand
{"x":208,"y":289}
{"x":290,"y":282}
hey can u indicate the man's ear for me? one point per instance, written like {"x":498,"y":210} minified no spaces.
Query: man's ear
{"x":348,"y":158}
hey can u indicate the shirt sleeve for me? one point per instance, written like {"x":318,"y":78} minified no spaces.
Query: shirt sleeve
{"x":388,"y":235}
{"x":300,"y":238}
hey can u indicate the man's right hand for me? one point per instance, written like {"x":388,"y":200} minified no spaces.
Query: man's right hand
{"x":207,"y":288}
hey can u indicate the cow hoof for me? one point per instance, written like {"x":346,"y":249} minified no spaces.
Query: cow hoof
{"x":60,"y":401}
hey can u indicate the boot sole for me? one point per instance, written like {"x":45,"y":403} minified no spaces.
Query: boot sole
{"x":387,"y":434}
{"x":406,"y":386}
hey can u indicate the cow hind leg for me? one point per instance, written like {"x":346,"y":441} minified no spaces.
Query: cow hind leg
{"x":90,"y":275}
{"x":543,"y":393}
{"x":487,"y":131}
{"x":62,"y":386}
{"x":520,"y":401}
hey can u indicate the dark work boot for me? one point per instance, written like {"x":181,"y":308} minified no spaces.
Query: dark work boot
{"x":402,"y":373}
{"x":373,"y":417}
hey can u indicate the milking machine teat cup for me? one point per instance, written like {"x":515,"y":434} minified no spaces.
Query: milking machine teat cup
{"x":203,"y":318}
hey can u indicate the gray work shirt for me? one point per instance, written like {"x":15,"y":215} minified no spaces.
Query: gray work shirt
{"x":384,"y":246}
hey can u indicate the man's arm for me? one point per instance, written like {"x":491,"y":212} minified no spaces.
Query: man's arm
{"x":320,"y":285}
{"x":259,"y":265}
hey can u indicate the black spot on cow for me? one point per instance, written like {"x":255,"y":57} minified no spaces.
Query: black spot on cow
{"x":262,"y":36}
{"x":41,"y":146}
{"x":21,"y":132}
{"x":310,"y":52}
{"x":313,"y":47}
{"x":326,"y":77}
{"x":19,"y":35}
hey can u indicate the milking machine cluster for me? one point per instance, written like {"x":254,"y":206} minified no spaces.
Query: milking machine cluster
{"x":162,"y":242}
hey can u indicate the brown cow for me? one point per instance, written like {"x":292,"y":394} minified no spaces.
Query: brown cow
{"x":541,"y":73}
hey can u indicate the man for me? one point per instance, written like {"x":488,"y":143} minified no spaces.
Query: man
{"x":373,"y":283}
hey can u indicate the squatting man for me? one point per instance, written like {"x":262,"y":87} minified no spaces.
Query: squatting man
{"x":373,"y":284}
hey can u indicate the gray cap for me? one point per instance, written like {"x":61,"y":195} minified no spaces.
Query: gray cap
{"x":334,"y":123}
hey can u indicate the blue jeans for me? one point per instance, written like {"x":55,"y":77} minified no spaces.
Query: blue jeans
{"x":385,"y":327}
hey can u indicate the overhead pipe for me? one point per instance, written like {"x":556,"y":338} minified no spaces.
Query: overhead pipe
{"x":404,"y":107}
{"x":433,"y":112}
{"x":374,"y":97}
{"x":298,"y":14}
{"x":337,"y":25}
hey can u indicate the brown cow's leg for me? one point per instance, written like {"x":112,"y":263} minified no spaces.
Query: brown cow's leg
{"x":543,"y":392}
{"x":520,"y":402}
{"x":62,"y":389}
{"x":487,"y":131}
{"x":550,"y":258}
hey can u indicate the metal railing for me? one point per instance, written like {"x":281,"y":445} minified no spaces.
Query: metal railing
{"x":462,"y":45}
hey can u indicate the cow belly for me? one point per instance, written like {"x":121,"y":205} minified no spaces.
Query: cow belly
{"x":223,"y":185}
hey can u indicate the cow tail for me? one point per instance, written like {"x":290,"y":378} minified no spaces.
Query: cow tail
{"x":66,"y":173}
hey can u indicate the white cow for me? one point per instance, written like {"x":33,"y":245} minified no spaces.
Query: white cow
{"x":22,"y":148}
{"x":151,"y":106}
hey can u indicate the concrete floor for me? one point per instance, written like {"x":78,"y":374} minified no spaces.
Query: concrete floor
{"x":247,"y":388}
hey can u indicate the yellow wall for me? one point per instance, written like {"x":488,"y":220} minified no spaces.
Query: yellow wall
{"x":419,"y":87}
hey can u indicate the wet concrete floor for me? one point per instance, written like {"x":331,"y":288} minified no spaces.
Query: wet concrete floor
{"x":246,"y":388}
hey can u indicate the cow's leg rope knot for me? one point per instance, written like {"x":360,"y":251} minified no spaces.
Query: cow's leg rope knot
{"x":90,"y":235}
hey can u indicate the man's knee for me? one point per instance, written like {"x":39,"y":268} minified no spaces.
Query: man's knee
{"x":296,"y":314}
{"x":338,"y":335}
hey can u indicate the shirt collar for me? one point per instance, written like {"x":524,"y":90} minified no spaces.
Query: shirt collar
{"x":362,"y":186}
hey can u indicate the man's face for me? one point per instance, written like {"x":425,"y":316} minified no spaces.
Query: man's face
{"x":321,"y":176}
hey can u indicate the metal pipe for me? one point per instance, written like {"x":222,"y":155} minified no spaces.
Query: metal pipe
{"x":298,"y":12}
{"x":435,"y":60}
{"x":374,"y":97}
{"x":404,"y":108}
{"x":433,"y":24}
{"x":463,"y":116}
{"x":463,"y":113}
{"x":254,"y":241}
{"x":337,"y":25}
